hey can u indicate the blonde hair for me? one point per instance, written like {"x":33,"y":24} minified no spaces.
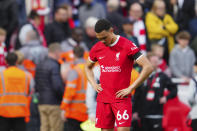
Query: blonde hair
{"x":20,"y":57}
{"x":3,"y":32}
{"x":155,"y":5}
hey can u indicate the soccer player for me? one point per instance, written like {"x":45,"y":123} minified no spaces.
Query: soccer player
{"x":116,"y":56}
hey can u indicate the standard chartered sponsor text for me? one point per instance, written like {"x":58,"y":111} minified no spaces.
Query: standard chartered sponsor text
{"x":111,"y":69}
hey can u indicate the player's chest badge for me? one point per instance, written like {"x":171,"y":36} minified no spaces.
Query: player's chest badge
{"x":117,"y":56}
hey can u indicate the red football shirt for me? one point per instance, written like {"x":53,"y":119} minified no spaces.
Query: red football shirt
{"x":116,"y":62}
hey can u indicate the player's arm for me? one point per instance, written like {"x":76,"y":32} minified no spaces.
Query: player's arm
{"x":90,"y":75}
{"x":146,"y":71}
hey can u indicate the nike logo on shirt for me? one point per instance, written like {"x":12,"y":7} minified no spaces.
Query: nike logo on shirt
{"x":121,"y":123}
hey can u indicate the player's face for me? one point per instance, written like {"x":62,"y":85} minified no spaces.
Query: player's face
{"x":105,"y":37}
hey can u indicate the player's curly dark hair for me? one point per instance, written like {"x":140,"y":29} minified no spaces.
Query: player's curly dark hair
{"x":101,"y":25}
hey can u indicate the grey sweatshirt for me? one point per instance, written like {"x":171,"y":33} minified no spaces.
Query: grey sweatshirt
{"x":182,"y":62}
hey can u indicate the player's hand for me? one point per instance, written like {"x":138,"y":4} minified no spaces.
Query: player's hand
{"x":124,"y":92}
{"x":98,"y":88}
{"x":163,"y":100}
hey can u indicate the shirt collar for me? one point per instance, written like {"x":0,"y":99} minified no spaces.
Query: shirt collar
{"x":115,"y":42}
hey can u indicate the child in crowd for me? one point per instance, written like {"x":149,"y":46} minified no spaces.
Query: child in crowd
{"x":159,"y":51}
{"x":182,"y":57}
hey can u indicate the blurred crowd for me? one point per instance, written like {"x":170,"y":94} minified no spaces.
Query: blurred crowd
{"x":50,"y":40}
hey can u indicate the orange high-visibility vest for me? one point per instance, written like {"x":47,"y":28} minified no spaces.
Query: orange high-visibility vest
{"x":30,"y":66}
{"x":14,"y":90}
{"x":69,"y":56}
{"x":74,"y":96}
{"x":134,"y":76}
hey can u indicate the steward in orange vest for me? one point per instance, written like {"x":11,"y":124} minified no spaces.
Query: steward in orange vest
{"x":73,"y":103}
{"x":68,"y":45}
{"x":14,"y":91}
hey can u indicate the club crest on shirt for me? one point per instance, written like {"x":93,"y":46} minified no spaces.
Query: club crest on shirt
{"x":118,"y":56}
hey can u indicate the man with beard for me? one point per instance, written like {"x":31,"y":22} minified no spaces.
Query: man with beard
{"x":59,"y":29}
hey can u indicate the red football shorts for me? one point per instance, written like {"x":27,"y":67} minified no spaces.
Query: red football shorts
{"x":109,"y":113}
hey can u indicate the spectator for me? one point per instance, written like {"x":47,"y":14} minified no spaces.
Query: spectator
{"x":113,"y":16}
{"x":20,"y":59}
{"x":3,"y":51}
{"x":50,"y":88}
{"x":72,"y":24}
{"x":185,"y":13}
{"x":135,"y":14}
{"x":74,"y":110}
{"x":150,"y":95}
{"x":193,"y":27}
{"x":68,"y":45}
{"x":21,"y":11}
{"x":159,"y":51}
{"x":90,"y":8}
{"x":33,"y":51}
{"x":32,"y":24}
{"x":14,"y":101}
{"x":74,"y":6}
{"x":127,"y":27}
{"x":193,"y":100}
{"x":34,"y":119}
{"x":9,"y":18}
{"x":90,"y":34}
{"x":161,"y":27}
{"x":182,"y":58}
{"x":59,"y":29}
{"x":193,"y":45}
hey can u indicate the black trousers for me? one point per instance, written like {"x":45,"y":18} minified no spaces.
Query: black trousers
{"x":151,"y":124}
{"x":12,"y":124}
{"x":72,"y":125}
{"x":194,"y":125}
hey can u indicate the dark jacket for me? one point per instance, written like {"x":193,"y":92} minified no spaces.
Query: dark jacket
{"x":117,"y":20}
{"x":8,"y":15}
{"x":185,"y":14}
{"x":153,"y":107}
{"x":49,"y":83}
{"x":56,"y":32}
{"x":89,"y":41}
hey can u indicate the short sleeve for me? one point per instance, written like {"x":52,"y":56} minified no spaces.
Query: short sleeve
{"x":132,"y":49}
{"x":92,"y":55}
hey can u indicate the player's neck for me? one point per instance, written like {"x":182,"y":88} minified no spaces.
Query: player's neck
{"x":113,"y":39}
